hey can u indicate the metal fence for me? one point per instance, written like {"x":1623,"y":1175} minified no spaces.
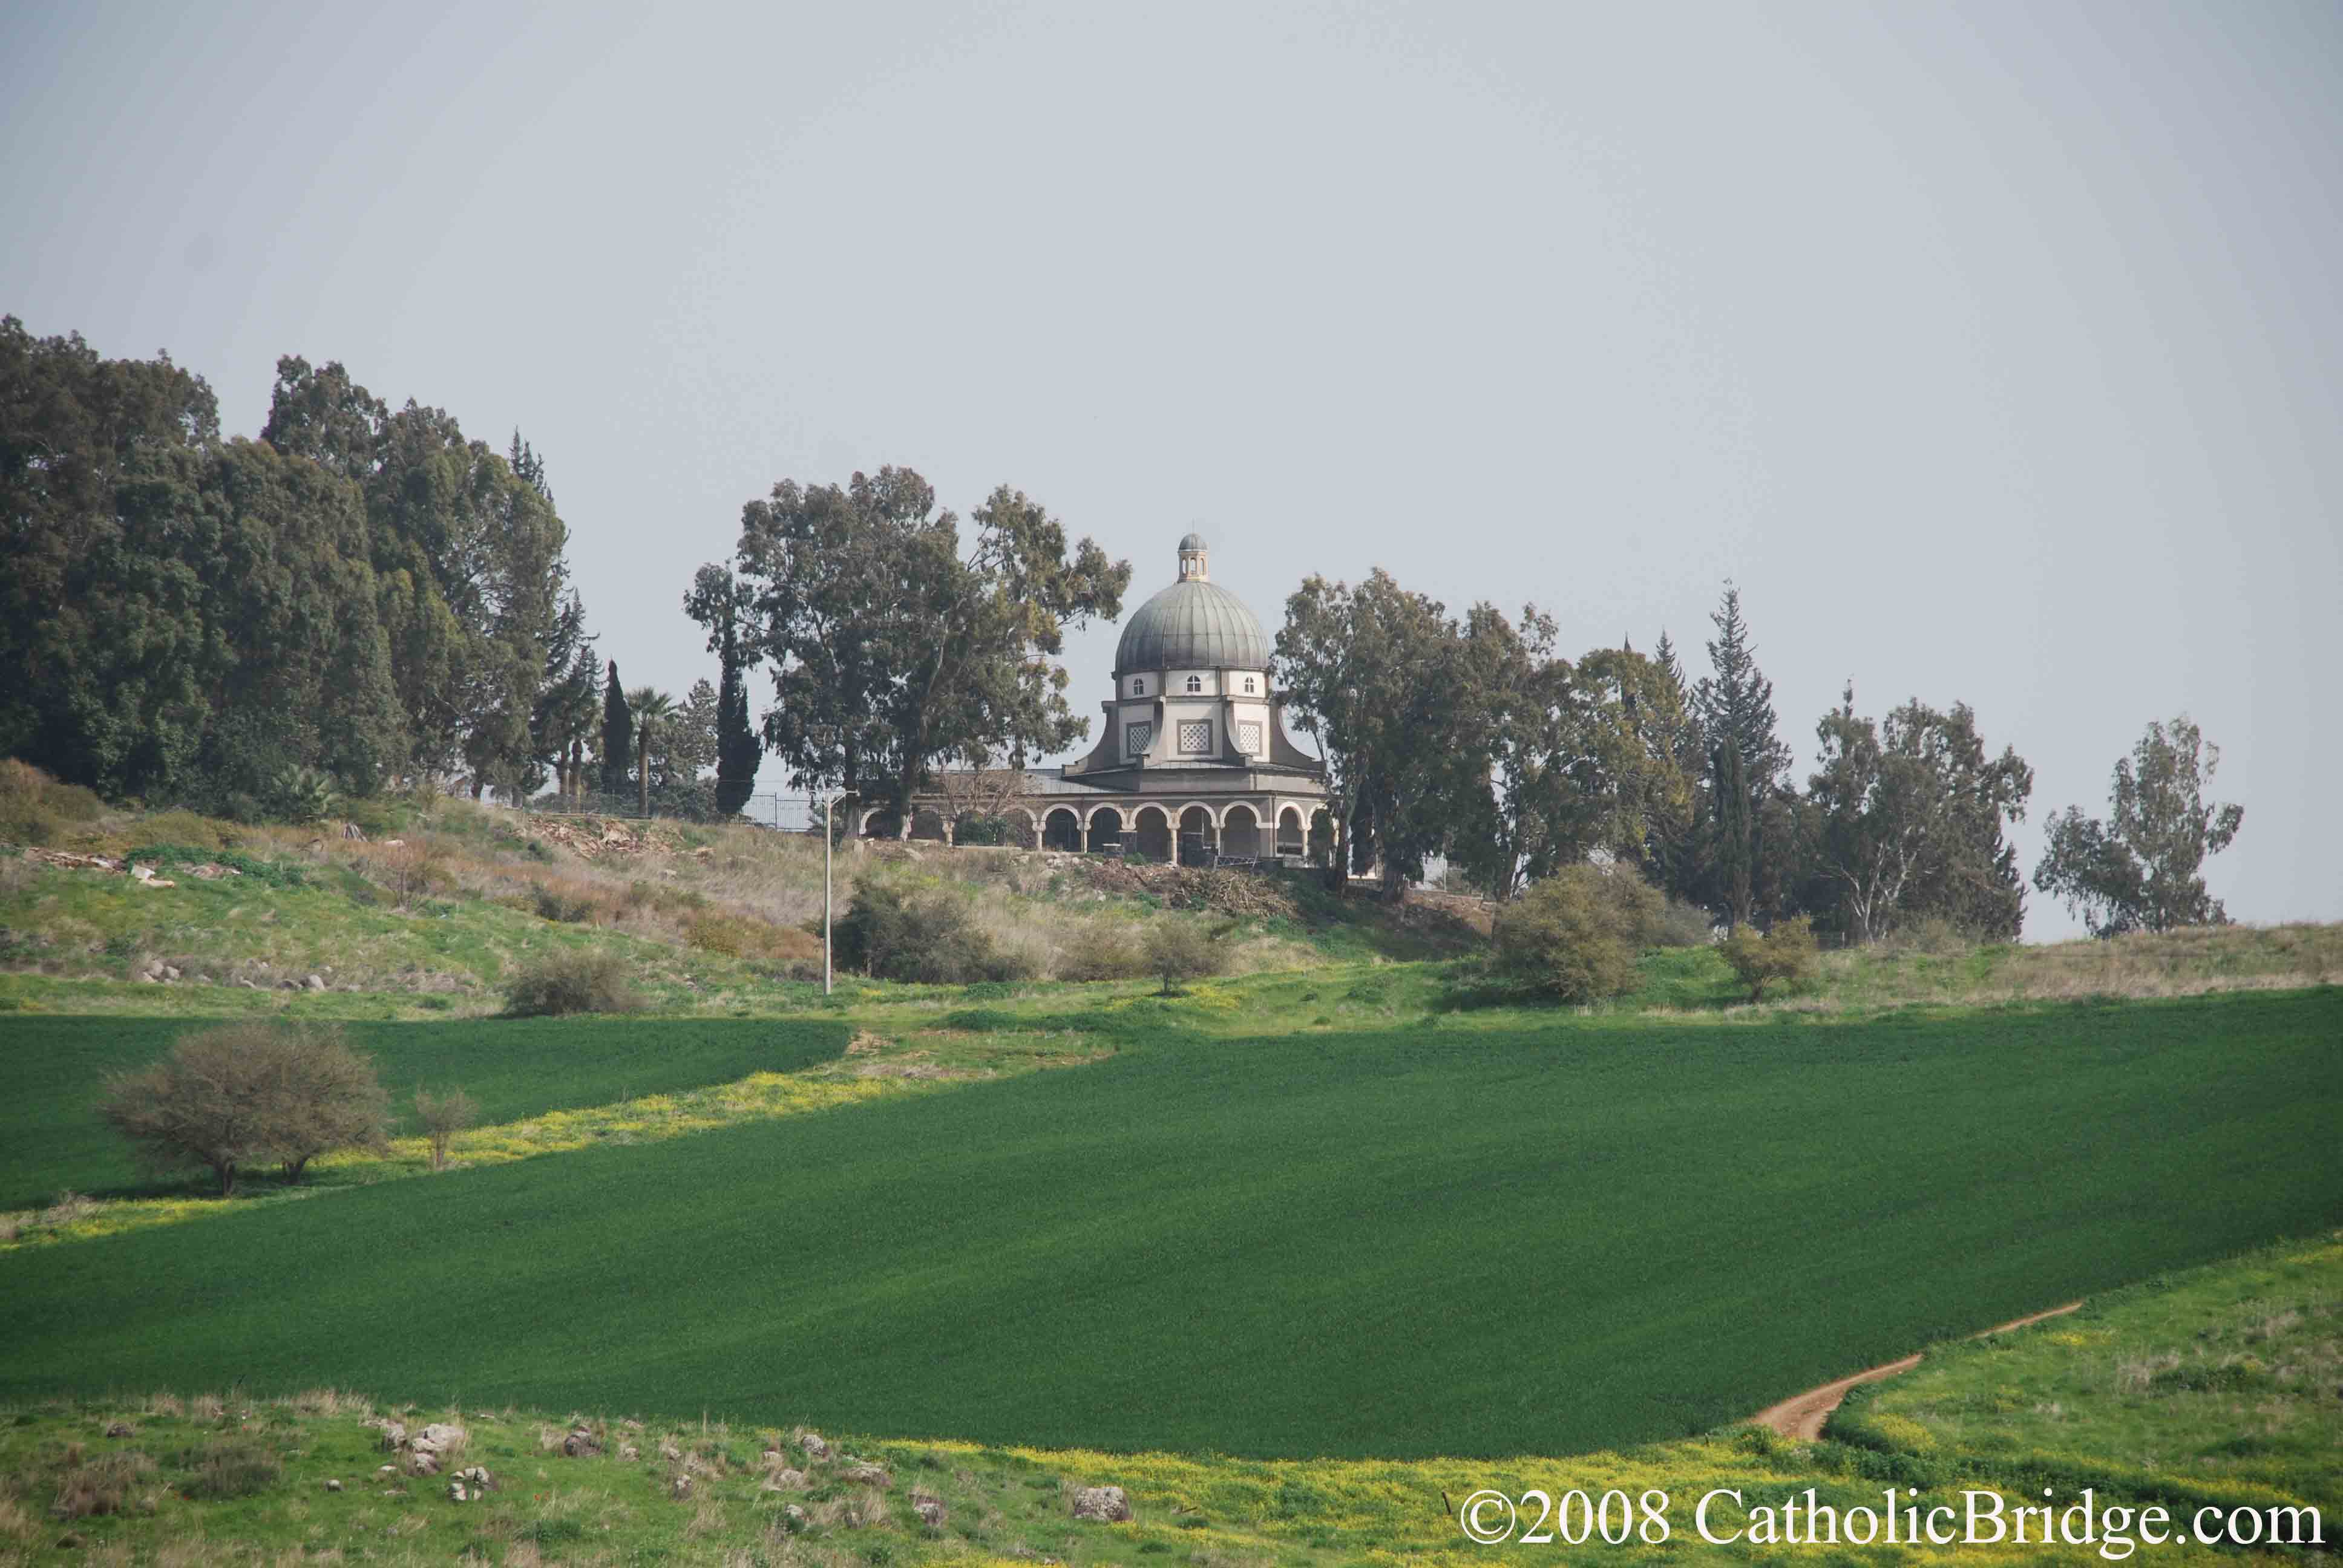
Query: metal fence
{"x":789,"y":813}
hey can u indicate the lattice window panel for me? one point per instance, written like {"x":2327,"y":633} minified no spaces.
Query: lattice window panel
{"x":1249,"y":739}
{"x":1195,"y":737}
{"x":1135,"y":738}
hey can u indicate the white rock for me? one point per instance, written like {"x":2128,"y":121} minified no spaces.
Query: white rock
{"x":438,"y":1438}
{"x":333,"y":1485}
{"x":1101,"y":1504}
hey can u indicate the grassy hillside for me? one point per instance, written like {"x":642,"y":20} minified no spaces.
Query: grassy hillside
{"x":53,"y":1072}
{"x":1458,"y":1241}
{"x":198,"y":1479}
{"x":439,"y":907}
{"x":2221,"y":1385}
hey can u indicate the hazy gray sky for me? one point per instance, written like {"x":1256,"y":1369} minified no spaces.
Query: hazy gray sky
{"x":1996,"y":351}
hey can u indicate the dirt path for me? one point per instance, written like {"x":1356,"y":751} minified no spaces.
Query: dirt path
{"x":1802,"y":1417}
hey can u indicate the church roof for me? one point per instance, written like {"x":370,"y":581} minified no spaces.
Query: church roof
{"x":1192,"y":625}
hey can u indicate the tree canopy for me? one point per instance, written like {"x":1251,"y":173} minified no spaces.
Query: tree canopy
{"x":891,"y":650}
{"x":360,"y":592}
{"x":2142,"y":869}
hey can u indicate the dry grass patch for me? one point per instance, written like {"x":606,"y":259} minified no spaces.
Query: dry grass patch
{"x":100,"y":1485}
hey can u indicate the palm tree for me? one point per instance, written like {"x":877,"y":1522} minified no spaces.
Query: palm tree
{"x":650,"y":707}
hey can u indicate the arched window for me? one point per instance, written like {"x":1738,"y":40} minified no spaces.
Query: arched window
{"x":1195,"y":683}
{"x":1248,"y":683}
{"x":1139,"y":689}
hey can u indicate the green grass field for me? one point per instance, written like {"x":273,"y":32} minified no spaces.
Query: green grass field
{"x":2118,"y":1398}
{"x":2220,"y":1385}
{"x":53,"y":1072}
{"x":1413,"y":1242}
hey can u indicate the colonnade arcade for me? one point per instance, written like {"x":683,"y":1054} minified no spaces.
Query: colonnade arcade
{"x":1152,"y":830}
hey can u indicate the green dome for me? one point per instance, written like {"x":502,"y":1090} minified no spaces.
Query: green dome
{"x":1191,"y":625}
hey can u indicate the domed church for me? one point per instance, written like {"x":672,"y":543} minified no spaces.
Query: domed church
{"x":1193,"y":759}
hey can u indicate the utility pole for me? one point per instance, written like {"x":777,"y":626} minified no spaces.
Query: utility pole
{"x":828,"y":848}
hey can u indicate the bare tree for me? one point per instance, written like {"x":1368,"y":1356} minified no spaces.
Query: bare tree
{"x":981,"y":790}
{"x":232,"y":1096}
{"x":443,"y":1116}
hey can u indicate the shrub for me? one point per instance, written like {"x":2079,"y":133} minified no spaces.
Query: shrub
{"x":571,"y":981}
{"x":232,"y":1467}
{"x":929,"y":939}
{"x":34,"y":808}
{"x":1575,"y":935}
{"x":1934,"y":935}
{"x":167,"y":857}
{"x":1784,"y":956}
{"x":1102,"y":950}
{"x":230,"y":1096}
{"x":442,"y":1117}
{"x":1683,"y":925}
{"x":980,"y":831}
{"x":553,"y":904}
{"x":183,"y":827}
{"x":796,"y":953}
{"x":99,"y":1485}
{"x":1183,"y":950}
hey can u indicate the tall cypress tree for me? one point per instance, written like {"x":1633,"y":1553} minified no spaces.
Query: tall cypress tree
{"x":737,"y":749}
{"x":618,"y":734}
{"x":1735,"y":850}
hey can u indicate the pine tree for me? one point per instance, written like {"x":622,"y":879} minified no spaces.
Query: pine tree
{"x":1674,"y":848}
{"x":618,"y":734}
{"x":1736,"y":702}
{"x":1747,"y":865}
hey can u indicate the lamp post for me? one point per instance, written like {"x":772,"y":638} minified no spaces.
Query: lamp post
{"x":828,"y":847}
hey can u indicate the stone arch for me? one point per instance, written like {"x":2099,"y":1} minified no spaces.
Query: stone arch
{"x":1024,"y":832}
{"x":1199,"y":834}
{"x":883,"y":822}
{"x":1241,"y":831}
{"x":1293,"y":832}
{"x":1108,"y":836}
{"x":1062,"y":830}
{"x":928,"y":823}
{"x":1150,"y":827}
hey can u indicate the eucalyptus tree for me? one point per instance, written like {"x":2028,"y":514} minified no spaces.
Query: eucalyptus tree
{"x":1401,"y":702}
{"x":891,"y":650}
{"x":1910,"y":816}
{"x":2142,"y":869}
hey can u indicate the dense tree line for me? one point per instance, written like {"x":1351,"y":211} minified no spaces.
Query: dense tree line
{"x":361,"y":591}
{"x":362,"y":598}
{"x":1470,"y":738}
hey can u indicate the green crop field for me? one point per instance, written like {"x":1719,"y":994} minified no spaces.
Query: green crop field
{"x":1413,"y":1243}
{"x":53,"y":1072}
